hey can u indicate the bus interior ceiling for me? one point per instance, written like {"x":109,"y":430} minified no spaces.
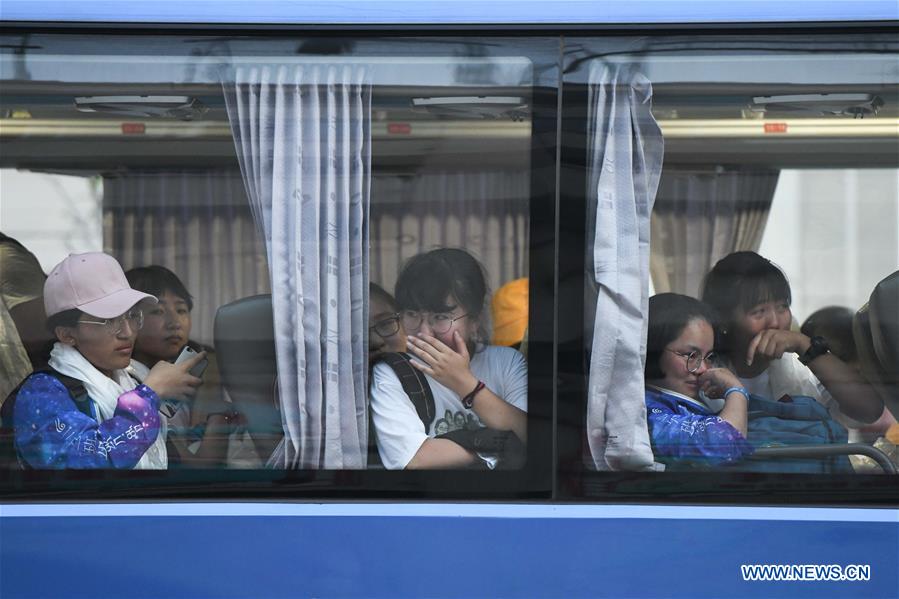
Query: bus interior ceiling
{"x":43,"y":130}
{"x":702,"y":123}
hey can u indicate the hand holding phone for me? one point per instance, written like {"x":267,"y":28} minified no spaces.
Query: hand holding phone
{"x":186,"y":354}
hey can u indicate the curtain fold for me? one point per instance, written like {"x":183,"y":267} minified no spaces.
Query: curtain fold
{"x":700,"y":216}
{"x":625,"y":149}
{"x":303,"y":139}
{"x":195,"y":223}
{"x":485,"y":212}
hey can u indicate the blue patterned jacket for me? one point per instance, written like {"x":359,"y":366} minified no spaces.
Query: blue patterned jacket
{"x":52,"y":432}
{"x":685,"y":434}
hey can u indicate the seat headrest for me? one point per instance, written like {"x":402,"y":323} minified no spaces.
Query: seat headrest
{"x":875,"y":328}
{"x":883,"y":313}
{"x":245,"y":345}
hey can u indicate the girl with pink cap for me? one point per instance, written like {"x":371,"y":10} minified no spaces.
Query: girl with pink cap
{"x":85,"y":411}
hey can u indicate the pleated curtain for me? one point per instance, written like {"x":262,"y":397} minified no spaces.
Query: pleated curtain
{"x":625,"y":150}
{"x":195,"y":223}
{"x":485,"y":212}
{"x":702,"y":215}
{"x":303,"y":139}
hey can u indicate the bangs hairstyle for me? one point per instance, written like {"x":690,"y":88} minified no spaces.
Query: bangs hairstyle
{"x":428,"y":279}
{"x":669,"y":314}
{"x":743,"y":280}
{"x":156,"y":280}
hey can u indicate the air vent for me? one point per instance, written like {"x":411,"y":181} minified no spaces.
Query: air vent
{"x":474,"y":107}
{"x":852,"y":105}
{"x":183,"y":108}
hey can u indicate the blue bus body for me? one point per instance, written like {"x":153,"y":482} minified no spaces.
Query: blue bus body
{"x":437,"y":550}
{"x":446,"y":548}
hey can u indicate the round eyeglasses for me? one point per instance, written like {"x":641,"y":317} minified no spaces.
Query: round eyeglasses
{"x":387,"y":327}
{"x":695,"y":359}
{"x":440,"y":322}
{"x":114,"y":326}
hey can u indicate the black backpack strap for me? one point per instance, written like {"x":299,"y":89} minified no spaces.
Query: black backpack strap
{"x":414,"y":384}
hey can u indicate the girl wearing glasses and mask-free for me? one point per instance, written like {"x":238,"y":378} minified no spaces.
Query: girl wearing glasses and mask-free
{"x":696,"y":410}
{"x":442,"y":307}
{"x":87,"y":412}
{"x":385,"y":328}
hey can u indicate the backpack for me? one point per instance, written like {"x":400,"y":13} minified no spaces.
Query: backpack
{"x":9,"y":455}
{"x":504,"y":445}
{"x":793,"y":420}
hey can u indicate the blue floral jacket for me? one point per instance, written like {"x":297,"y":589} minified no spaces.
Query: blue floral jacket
{"x":686,"y":435}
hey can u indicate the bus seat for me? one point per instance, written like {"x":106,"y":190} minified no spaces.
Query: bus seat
{"x":875,"y":328}
{"x":245,"y":343}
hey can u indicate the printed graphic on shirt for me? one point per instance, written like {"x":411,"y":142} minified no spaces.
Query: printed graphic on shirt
{"x":454,"y":421}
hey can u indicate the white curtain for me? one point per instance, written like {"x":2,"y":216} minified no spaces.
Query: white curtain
{"x":700,"y":216}
{"x":303,"y":139}
{"x":625,"y":153}
{"x":195,"y":223}
{"x":485,"y":212}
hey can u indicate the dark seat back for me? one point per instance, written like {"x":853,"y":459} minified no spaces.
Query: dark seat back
{"x":876,"y":332}
{"x":245,"y":344}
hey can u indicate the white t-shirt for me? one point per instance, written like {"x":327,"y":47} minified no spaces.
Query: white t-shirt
{"x":401,"y":432}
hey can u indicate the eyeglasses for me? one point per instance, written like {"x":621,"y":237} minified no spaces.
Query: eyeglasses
{"x":440,"y":322}
{"x":114,"y":326}
{"x":695,"y":359}
{"x":387,"y":327}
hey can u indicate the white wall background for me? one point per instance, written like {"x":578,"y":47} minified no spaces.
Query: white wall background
{"x":835,"y":233}
{"x":51,"y":215}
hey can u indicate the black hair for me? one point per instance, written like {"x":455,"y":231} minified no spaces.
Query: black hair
{"x":835,"y":324}
{"x":428,"y":279}
{"x":157,"y":280}
{"x":66,"y":318}
{"x":743,"y":280}
{"x":669,"y":313}
{"x":376,"y":291}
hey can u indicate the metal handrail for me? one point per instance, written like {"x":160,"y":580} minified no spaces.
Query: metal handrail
{"x":829,"y":450}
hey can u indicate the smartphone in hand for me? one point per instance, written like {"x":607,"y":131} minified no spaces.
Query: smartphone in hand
{"x":186,"y":354}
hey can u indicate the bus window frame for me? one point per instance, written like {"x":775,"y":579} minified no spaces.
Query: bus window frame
{"x":576,"y":481}
{"x":531,"y":483}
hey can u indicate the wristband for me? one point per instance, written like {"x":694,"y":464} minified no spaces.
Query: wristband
{"x":468,"y":400}
{"x":741,"y":390}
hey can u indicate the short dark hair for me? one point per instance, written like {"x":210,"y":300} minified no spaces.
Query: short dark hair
{"x":743,"y":280}
{"x":66,"y":318}
{"x":669,"y":313}
{"x":427,"y":279}
{"x":376,"y":291}
{"x":156,"y":280}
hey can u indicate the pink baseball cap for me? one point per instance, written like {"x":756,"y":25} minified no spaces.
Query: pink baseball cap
{"x":93,"y":283}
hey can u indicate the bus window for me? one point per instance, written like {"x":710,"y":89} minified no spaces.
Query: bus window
{"x":770,"y":166}
{"x":259,"y":189}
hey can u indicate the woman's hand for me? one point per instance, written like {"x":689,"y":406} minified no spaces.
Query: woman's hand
{"x":174,"y":381}
{"x":774,"y":343}
{"x":448,"y":366}
{"x":715,"y":381}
